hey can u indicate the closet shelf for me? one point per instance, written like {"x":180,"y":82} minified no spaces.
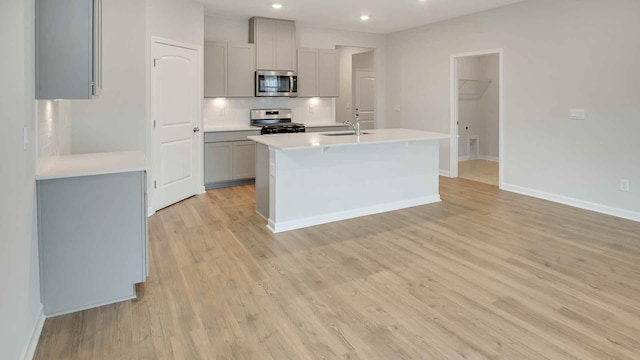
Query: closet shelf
{"x":471,"y":89}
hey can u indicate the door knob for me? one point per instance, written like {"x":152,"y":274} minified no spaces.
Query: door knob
{"x":196,"y":129}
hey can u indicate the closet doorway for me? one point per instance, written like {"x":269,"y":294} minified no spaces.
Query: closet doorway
{"x":476,"y":150}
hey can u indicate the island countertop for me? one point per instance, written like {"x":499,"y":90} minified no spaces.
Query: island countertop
{"x":297,"y":141}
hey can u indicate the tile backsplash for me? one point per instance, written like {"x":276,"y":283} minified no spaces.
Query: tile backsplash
{"x":54,"y":130}
{"x":235,"y":112}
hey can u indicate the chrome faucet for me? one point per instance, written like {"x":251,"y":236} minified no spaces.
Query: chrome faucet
{"x":355,"y":125}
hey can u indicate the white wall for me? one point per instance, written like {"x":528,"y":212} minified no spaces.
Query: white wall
{"x":20,"y":306}
{"x":178,"y":20}
{"x":53,"y":125}
{"x":115,"y":121}
{"x":489,"y":107}
{"x":479,"y":116}
{"x":233,"y":30}
{"x":558,"y":54}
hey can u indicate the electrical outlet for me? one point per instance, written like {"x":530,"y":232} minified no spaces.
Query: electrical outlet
{"x":625,"y":185}
{"x":577,"y":114}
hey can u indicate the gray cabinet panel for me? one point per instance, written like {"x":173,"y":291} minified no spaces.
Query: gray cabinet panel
{"x":218,"y":159}
{"x":275,"y":42}
{"x":68,"y":49}
{"x":265,"y":39}
{"x":215,"y":69}
{"x":285,"y":45}
{"x":318,"y":73}
{"x":92,"y":240}
{"x":244,"y":160}
{"x":328,"y":73}
{"x":307,"y":72}
{"x":240,"y":135}
{"x":241,"y":68}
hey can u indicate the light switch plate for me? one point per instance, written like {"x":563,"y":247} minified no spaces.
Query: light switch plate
{"x":578,"y":114}
{"x":25,"y":138}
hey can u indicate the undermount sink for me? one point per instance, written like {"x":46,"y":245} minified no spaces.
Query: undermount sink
{"x":344,"y":133}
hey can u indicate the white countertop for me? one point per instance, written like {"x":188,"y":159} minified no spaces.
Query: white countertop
{"x":226,"y":128}
{"x":94,"y":164}
{"x":313,"y":140}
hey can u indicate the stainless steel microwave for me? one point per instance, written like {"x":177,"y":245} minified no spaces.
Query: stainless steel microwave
{"x":276,"y":84}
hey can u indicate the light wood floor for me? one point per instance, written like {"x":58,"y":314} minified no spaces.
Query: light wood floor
{"x":479,"y":170}
{"x":483,"y":275}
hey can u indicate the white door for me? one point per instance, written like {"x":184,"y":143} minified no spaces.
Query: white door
{"x":364,"y":95}
{"x":175,"y":110}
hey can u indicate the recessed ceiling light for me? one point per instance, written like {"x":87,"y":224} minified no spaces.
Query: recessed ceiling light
{"x":364,"y":17}
{"x":277,"y":6}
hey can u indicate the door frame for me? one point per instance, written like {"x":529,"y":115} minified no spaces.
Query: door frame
{"x":453,"y":161}
{"x":198,"y":172}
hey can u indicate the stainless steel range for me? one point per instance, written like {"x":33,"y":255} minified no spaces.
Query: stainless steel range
{"x":275,"y":121}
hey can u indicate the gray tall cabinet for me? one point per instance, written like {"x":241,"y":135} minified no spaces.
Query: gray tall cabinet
{"x":68,"y":49}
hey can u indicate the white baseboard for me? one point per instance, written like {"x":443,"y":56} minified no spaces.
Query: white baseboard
{"x":150,"y":211}
{"x":463,"y":158}
{"x":30,"y":349}
{"x":350,"y":214}
{"x":586,"y":205}
{"x":489,"y":158}
{"x":445,"y":173}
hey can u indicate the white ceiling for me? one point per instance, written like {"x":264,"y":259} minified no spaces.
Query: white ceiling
{"x":387,"y":16}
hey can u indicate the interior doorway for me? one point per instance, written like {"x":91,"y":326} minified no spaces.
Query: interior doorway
{"x":477,"y":147}
{"x":357,"y":86}
{"x":176,"y":121}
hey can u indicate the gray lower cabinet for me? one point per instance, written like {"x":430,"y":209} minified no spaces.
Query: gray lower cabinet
{"x":244,"y":160}
{"x":218,"y":158}
{"x":92,"y":234}
{"x":229,"y":159}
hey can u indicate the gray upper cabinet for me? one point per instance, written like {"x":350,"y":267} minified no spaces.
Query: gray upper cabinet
{"x":318,"y":73}
{"x":229,"y":69}
{"x":307,"y":72}
{"x":68,"y":49}
{"x":241,"y":67}
{"x":275,"y":43}
{"x":215,"y":69}
{"x":328,"y":73}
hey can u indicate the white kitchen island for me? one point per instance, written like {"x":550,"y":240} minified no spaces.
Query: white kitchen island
{"x":307,"y":179}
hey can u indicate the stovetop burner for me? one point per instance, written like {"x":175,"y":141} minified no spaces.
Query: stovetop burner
{"x":275,"y":121}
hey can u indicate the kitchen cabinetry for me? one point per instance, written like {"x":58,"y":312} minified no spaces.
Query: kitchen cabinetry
{"x":275,"y":42}
{"x":229,"y":158}
{"x":68,"y":49}
{"x":92,"y":230}
{"x":229,"y":69}
{"x":318,"y":73}
{"x":215,"y":69}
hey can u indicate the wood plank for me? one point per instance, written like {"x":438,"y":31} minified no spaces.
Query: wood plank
{"x":485,"y":274}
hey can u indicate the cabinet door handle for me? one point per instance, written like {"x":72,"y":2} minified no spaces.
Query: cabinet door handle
{"x":196,"y":129}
